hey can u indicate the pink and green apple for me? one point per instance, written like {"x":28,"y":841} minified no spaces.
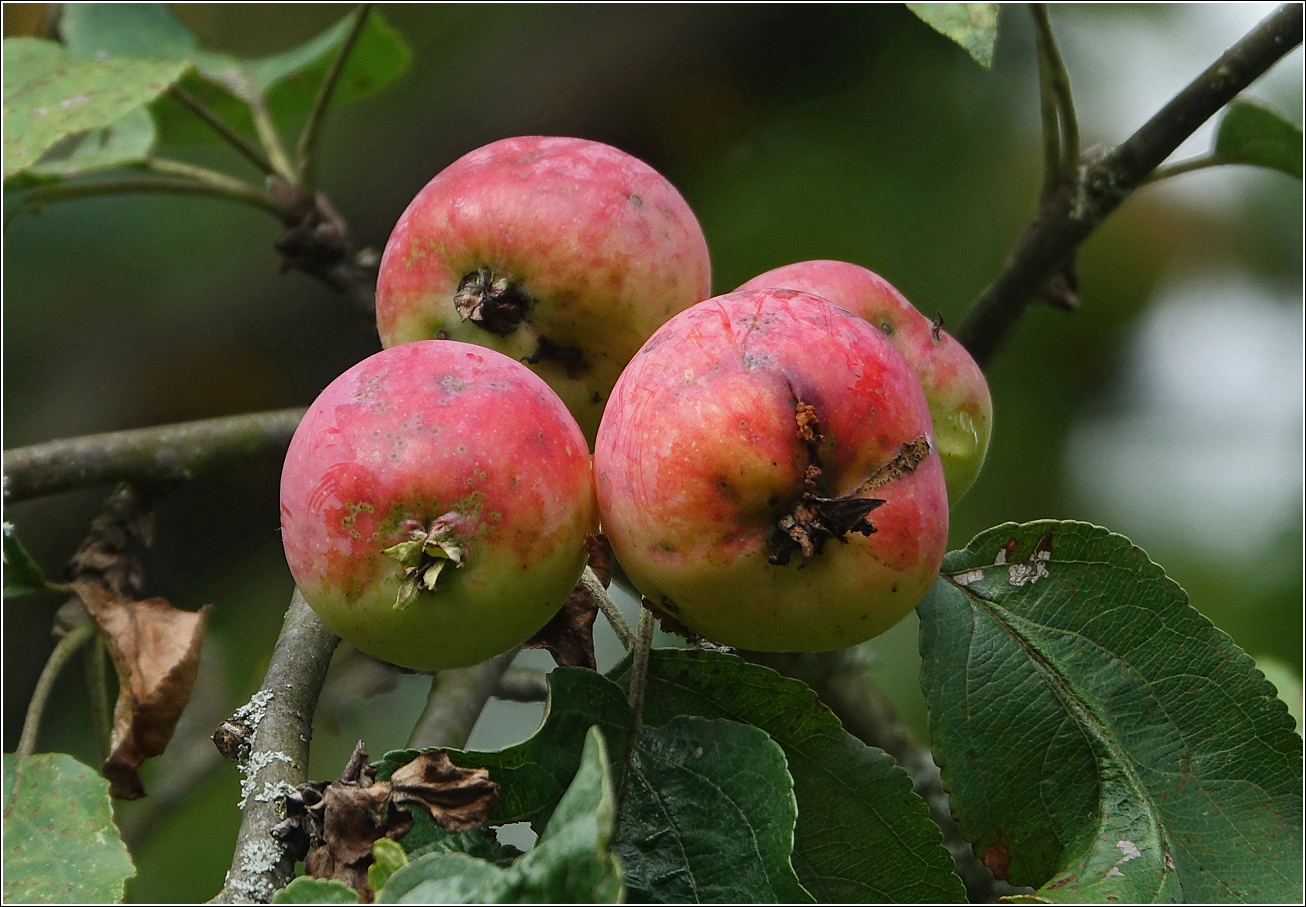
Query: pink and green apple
{"x":435,"y":502}
{"x":767,"y":474}
{"x":562,"y":253}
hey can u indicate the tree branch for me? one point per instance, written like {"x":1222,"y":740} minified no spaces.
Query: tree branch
{"x":306,"y":153}
{"x":1067,"y":217}
{"x":63,"y":192}
{"x":280,"y":719}
{"x":522,"y":685}
{"x":456,"y":701}
{"x":161,"y":453}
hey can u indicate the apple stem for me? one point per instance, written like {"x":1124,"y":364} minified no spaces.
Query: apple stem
{"x":638,"y":684}
{"x":590,"y":581}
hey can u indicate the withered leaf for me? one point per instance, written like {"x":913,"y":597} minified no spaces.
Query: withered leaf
{"x":345,"y":818}
{"x":456,"y":798}
{"x":156,"y":651}
{"x":600,"y":551}
{"x":569,"y":634}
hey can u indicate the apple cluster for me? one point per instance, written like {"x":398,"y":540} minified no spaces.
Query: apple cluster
{"x":773,"y":466}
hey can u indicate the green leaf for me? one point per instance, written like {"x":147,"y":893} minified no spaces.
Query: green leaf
{"x":124,"y":144}
{"x":571,"y":860}
{"x":22,"y":575}
{"x":708,"y":816}
{"x":426,"y":837}
{"x":60,"y":843}
{"x":862,"y":834}
{"x":569,"y":863}
{"x":288,"y":81}
{"x":974,"y":26}
{"x":447,"y":878}
{"x":1100,"y":738}
{"x":27,"y":60}
{"x":307,"y":890}
{"x":47,"y":99}
{"x":1288,"y":685}
{"x":1251,"y":133}
{"x":533,"y":775}
{"x":388,"y":857}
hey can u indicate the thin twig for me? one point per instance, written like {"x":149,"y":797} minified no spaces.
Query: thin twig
{"x":64,"y":192}
{"x":271,"y":139}
{"x":161,"y":453}
{"x":281,"y":720}
{"x":1072,"y":213}
{"x":638,"y":687}
{"x":64,"y":649}
{"x":456,"y":701}
{"x":1057,"y":85}
{"x":221,"y":185}
{"x":306,"y":153}
{"x":1188,"y":166}
{"x":609,"y":608}
{"x":97,"y":685}
{"x":251,"y":152}
{"x":1052,"y":173}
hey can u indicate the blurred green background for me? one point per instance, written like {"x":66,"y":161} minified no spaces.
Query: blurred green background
{"x":1168,"y":409}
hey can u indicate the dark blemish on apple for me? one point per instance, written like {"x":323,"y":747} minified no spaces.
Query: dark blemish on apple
{"x":452,"y":383}
{"x":441,"y":334}
{"x":569,"y":357}
{"x":637,"y":201}
{"x":887,"y":328}
{"x":936,"y":326}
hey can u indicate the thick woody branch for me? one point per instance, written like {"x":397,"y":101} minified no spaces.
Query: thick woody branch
{"x":456,"y":701}
{"x":144,"y":455}
{"x":1067,"y":217}
{"x":280,"y":722}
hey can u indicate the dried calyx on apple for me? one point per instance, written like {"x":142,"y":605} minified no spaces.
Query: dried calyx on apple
{"x":435,"y":503}
{"x":562,"y":253}
{"x":767,"y":474}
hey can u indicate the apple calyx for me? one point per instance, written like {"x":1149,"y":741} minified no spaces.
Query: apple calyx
{"x":494,"y":303}
{"x":423,"y":557}
{"x":816,"y":519}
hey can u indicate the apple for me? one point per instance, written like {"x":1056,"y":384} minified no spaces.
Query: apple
{"x":435,"y":502}
{"x":767,"y":474}
{"x":562,"y":253}
{"x":954,"y":384}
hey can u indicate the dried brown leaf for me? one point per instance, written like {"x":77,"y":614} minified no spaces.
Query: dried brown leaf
{"x":355,"y":816}
{"x":456,"y":798}
{"x":569,"y":634}
{"x":600,"y":551}
{"x":156,"y":651}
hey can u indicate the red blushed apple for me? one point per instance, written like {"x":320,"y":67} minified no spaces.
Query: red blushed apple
{"x":953,"y":383}
{"x":766,"y":474}
{"x":562,"y":253}
{"x":434,"y":504}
